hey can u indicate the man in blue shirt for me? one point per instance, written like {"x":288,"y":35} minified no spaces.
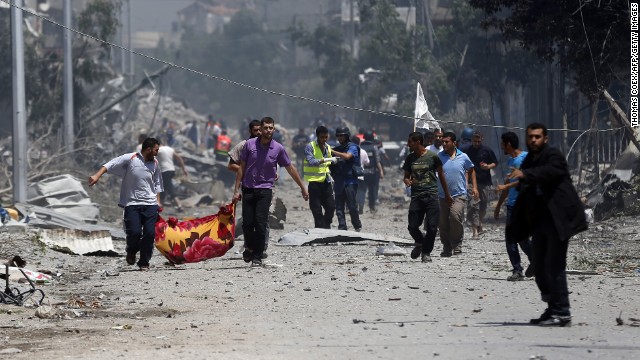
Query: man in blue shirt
{"x":509,"y":191}
{"x":457,"y":168}
{"x":345,"y":185}
{"x":139,"y":196}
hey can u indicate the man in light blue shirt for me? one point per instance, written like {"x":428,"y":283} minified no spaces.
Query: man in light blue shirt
{"x":457,"y":168}
{"x":509,"y":191}
{"x":139,"y":196}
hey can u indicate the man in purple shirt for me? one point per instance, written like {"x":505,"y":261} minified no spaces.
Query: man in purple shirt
{"x":258,"y":165}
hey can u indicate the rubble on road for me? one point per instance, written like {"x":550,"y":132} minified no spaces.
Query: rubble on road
{"x":326,"y":236}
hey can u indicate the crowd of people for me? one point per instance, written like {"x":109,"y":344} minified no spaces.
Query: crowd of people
{"x":446,"y":176}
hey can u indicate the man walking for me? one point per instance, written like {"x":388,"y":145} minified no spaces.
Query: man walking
{"x":457,"y":168}
{"x":548,"y":208}
{"x":166,"y":155}
{"x":139,"y":196}
{"x":234,"y":165}
{"x":345,"y":179}
{"x":509,"y":192}
{"x":298,"y":144}
{"x":316,"y":171}
{"x":420,"y":169}
{"x":257,"y":174}
{"x":484,"y":159}
{"x":436,"y":146}
{"x":373,"y":172}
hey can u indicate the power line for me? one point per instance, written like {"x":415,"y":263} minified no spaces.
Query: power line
{"x":272,"y":92}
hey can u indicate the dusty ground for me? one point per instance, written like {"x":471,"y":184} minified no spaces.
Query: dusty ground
{"x":328,"y":301}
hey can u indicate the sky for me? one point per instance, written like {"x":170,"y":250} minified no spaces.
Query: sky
{"x":155,"y":15}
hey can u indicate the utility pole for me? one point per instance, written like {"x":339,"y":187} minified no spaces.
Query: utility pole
{"x":68,"y":80}
{"x":427,"y":17}
{"x":123,"y":65}
{"x":131,"y":67}
{"x":19,"y":107}
{"x":352,"y":30}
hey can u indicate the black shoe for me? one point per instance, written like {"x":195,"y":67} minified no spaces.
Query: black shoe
{"x":546,"y":315}
{"x":131,"y":258}
{"x":558,"y":321}
{"x":445,"y":254}
{"x":529,"y":271}
{"x":256,"y":263}
{"x":417,"y":250}
{"x":247,"y":255}
{"x":265,"y":255}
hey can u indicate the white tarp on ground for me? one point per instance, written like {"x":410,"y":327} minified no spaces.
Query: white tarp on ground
{"x":68,"y":234}
{"x":323,"y":236}
{"x":66,"y":195}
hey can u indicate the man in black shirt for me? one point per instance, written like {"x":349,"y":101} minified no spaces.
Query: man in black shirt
{"x":484,"y":159}
{"x":298,"y":144}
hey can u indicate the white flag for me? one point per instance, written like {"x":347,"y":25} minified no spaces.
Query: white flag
{"x":422,"y":117}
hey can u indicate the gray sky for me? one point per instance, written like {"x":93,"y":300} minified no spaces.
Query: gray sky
{"x":155,"y":15}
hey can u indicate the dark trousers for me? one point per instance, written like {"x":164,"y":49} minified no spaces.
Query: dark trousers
{"x":321,"y":197}
{"x":255,"y":218}
{"x":418,"y":208}
{"x":167,"y":183}
{"x":140,"y":228}
{"x":512,"y":246}
{"x":550,"y":265}
{"x":347,"y":195}
{"x":370,"y":185}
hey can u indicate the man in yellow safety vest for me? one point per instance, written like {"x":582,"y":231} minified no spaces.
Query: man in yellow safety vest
{"x":316,"y":172}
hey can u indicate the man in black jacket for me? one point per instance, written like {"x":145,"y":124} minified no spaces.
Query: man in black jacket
{"x":549,"y":209}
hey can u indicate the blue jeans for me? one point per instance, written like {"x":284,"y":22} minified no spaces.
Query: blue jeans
{"x":140,"y":227}
{"x":512,"y":246}
{"x":418,"y":208}
{"x":255,"y":218}
{"x":347,"y":195}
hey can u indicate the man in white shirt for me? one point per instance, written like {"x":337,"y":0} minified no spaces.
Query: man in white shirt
{"x":436,"y":147}
{"x":166,"y":155}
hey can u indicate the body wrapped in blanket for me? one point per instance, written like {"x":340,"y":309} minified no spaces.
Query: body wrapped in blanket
{"x":198,"y":239}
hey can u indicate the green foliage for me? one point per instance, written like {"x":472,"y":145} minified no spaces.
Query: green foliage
{"x":43,"y":69}
{"x":589,"y":39}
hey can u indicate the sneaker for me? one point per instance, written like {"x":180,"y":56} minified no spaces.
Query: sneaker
{"x":131,"y":258}
{"x":516,"y":276}
{"x":256,"y":263}
{"x":529,"y":272}
{"x":555,"y":320}
{"x":546,"y":315}
{"x":445,"y":254}
{"x":415,"y":253}
{"x":246,"y":255}
{"x":426,"y":258}
{"x":144,"y":268}
{"x":457,"y":250}
{"x":359,"y":229}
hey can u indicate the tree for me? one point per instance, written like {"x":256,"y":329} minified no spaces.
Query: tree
{"x":243,"y":52}
{"x":588,"y":39}
{"x":43,"y":75}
